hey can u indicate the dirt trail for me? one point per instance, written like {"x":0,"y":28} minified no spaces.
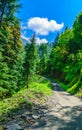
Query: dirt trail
{"x":64,"y":112}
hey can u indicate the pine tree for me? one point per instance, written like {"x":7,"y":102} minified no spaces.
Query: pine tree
{"x":44,"y":53}
{"x":30,"y":60}
{"x":77,"y":29}
{"x":10,"y":40}
{"x":8,"y":8}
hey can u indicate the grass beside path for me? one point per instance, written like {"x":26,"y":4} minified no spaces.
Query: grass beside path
{"x":36,"y":91}
{"x":72,"y":89}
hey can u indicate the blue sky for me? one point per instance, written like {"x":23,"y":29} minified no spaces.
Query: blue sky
{"x":47,"y":17}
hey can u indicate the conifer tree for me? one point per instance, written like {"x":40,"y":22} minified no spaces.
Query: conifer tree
{"x":8,"y":8}
{"x":30,"y":60}
{"x":10,"y":40}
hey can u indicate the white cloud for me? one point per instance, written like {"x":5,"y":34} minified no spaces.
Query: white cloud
{"x":38,"y":40}
{"x":42,"y":26}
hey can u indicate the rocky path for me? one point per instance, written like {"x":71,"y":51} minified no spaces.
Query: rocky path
{"x":62,"y":111}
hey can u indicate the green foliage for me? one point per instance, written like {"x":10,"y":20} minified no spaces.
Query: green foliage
{"x":65,"y":61}
{"x":79,"y":93}
{"x":56,"y":41}
{"x":7,"y":10}
{"x":44,"y":53}
{"x":42,"y":88}
{"x":30,"y":60}
{"x":77,"y":29}
{"x":35,"y":92}
{"x":11,"y":50}
{"x":75,"y":88}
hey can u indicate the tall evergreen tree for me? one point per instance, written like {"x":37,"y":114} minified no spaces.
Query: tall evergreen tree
{"x":30,"y":60}
{"x":8,"y":8}
{"x":77,"y":29}
{"x":56,"y":40}
{"x":44,"y":53}
{"x":11,"y":45}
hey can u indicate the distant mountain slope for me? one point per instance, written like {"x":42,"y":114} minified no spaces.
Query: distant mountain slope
{"x":25,"y":41}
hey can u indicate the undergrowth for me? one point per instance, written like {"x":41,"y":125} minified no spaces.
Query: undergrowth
{"x":75,"y":89}
{"x":36,"y":90}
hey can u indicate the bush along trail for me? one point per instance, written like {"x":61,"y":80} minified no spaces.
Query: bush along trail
{"x":58,"y":111}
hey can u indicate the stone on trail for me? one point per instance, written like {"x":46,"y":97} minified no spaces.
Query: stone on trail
{"x":35,"y":117}
{"x":13,"y":127}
